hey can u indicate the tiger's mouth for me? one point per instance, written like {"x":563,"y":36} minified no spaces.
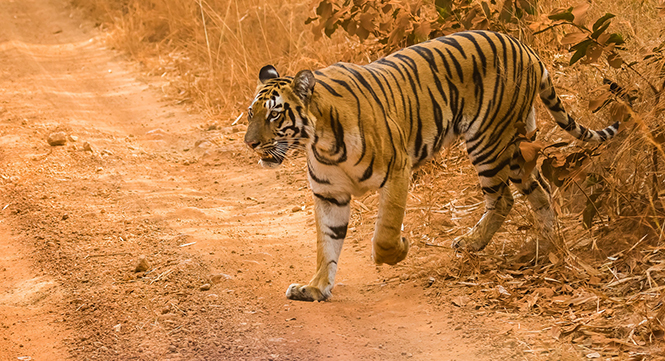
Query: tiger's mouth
{"x":270,"y":161}
{"x":272,"y":157}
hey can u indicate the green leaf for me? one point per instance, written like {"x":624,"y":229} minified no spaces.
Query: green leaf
{"x":581,"y":45}
{"x":446,"y":5}
{"x":615,"y":38}
{"x":564,"y":15}
{"x":579,"y":54}
{"x":596,"y":33}
{"x":444,"y":8}
{"x":602,"y":20}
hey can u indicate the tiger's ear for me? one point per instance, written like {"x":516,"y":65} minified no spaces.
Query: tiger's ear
{"x":303,"y":84}
{"x":268,"y":72}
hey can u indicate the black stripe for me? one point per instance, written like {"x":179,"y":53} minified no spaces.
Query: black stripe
{"x":557,"y":107}
{"x":328,"y":88}
{"x":480,"y":52}
{"x":457,"y":65}
{"x":490,"y":173}
{"x":412,"y":64}
{"x":602,"y":135}
{"x":338,"y":132}
{"x":426,"y":54}
{"x":376,"y":99}
{"x":438,"y":121}
{"x":319,"y":158}
{"x":444,"y":61}
{"x":368,"y":172}
{"x":333,"y":200}
{"x":390,"y":163}
{"x":493,"y":189}
{"x":423,"y":154}
{"x":429,"y":58}
{"x":363,"y":148}
{"x":491,"y":44}
{"x":338,"y":232}
{"x":449,"y":40}
{"x":314,"y":177}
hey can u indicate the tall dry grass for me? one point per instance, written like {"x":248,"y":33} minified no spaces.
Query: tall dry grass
{"x":212,"y":50}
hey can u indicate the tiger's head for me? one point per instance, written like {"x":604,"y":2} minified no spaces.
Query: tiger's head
{"x":278,"y":117}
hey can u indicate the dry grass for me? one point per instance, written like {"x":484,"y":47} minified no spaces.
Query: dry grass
{"x":602,"y":288}
{"x":211,"y":51}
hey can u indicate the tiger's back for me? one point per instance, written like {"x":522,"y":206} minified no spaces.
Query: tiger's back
{"x":466,"y":83}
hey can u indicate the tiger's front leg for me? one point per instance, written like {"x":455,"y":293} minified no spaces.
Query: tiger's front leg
{"x":332,"y":220}
{"x":388,"y":245}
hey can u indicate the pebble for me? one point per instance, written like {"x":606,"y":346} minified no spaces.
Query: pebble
{"x":217,"y":278}
{"x":72,"y":138}
{"x":117,"y":328}
{"x":87,"y":147}
{"x":203,"y":143}
{"x":205,"y":287}
{"x":57,"y":138}
{"x":142,"y":264}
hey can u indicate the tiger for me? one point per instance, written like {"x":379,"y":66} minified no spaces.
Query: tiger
{"x":366,"y":127}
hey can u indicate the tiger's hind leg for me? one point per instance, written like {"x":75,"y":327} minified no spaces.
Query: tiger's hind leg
{"x":498,"y":202}
{"x":497,"y":206}
{"x":536,"y":191}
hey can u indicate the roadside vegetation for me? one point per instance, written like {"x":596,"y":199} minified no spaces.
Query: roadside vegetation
{"x":601,"y":287}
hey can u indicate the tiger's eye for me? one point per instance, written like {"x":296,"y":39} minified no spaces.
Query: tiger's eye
{"x":274,"y":114}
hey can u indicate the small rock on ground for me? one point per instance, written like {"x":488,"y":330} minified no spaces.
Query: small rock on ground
{"x":57,"y":138}
{"x":142,"y":264}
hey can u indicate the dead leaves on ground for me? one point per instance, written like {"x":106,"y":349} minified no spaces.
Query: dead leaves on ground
{"x":608,"y":305}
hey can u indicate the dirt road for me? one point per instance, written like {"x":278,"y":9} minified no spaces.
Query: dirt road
{"x":139,"y":176}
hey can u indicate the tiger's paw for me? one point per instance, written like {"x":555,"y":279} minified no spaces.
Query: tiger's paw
{"x":469,"y":242}
{"x":309,"y":293}
{"x":392,"y":255}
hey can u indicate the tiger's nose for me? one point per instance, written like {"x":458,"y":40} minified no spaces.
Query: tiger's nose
{"x":252,"y":143}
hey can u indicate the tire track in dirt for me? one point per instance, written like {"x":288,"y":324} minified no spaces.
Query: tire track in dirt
{"x":156,"y":183}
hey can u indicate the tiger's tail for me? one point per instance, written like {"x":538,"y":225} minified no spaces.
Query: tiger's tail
{"x":565,"y":121}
